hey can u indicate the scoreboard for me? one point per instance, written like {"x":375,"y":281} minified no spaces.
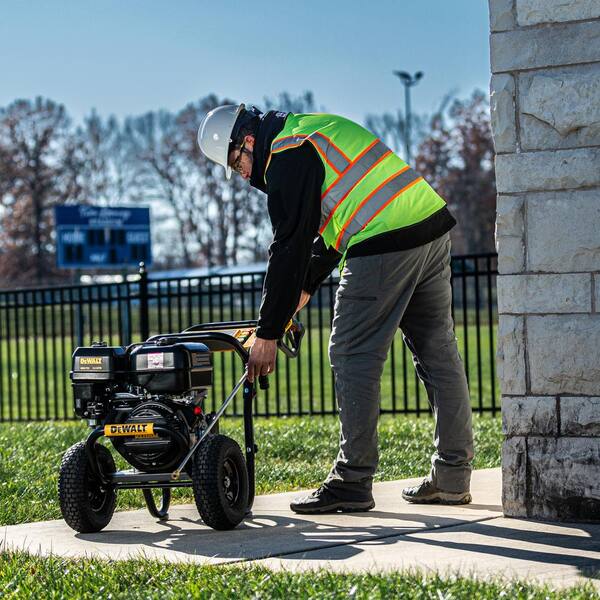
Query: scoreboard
{"x":102,"y":237}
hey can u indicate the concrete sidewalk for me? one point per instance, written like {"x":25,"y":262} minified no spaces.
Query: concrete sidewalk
{"x":473,"y":539}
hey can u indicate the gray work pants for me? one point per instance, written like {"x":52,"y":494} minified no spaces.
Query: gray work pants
{"x":377,"y":294}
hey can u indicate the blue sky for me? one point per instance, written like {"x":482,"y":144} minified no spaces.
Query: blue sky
{"x":130,"y":56}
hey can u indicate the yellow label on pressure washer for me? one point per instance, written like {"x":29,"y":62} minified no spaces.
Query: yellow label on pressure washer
{"x":136,"y":429}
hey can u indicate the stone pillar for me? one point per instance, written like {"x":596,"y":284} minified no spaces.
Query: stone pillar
{"x":545,"y":101}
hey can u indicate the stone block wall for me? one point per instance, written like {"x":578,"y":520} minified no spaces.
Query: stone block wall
{"x":545,"y":103}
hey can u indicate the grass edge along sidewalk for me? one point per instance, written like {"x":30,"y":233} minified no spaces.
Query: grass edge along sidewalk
{"x":294,"y":453}
{"x":25,"y":576}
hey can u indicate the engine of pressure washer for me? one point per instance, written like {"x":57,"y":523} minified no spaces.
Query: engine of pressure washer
{"x":149,"y":397}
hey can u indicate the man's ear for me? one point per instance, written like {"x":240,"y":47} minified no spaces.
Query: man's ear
{"x":249,"y":141}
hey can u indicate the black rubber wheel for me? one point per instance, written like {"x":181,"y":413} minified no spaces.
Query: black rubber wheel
{"x":86,"y":505}
{"x":220,"y":482}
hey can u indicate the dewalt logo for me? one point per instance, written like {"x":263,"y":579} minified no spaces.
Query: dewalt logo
{"x":136,"y":429}
{"x":90,"y":360}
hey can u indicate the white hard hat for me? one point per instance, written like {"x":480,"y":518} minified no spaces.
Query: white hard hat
{"x":214,"y":133}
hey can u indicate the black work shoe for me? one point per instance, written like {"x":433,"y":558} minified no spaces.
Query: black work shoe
{"x":323,"y":500}
{"x":427,"y":493}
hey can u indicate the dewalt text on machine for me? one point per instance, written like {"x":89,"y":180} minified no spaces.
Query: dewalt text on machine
{"x":149,"y":400}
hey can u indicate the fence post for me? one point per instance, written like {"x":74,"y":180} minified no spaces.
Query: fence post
{"x":80,"y":320}
{"x":144,"y":320}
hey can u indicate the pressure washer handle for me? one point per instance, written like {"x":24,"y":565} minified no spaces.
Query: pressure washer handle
{"x":289,"y":344}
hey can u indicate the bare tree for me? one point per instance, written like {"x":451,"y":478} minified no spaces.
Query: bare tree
{"x":303,"y":103}
{"x":8,"y":172}
{"x":456,"y":157}
{"x":207,"y":210}
{"x":392,"y":127}
{"x":100,"y":165}
{"x":151,"y":142}
{"x":32,"y":135}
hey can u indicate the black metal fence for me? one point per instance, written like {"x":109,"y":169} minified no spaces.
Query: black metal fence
{"x":39,"y":329}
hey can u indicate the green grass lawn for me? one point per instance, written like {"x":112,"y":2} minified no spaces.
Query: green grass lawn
{"x":294,"y":453}
{"x":25,"y":577}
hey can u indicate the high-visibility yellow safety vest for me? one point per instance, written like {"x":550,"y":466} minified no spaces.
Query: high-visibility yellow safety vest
{"x":367,"y":188}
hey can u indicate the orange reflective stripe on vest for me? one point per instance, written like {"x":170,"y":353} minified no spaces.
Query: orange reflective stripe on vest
{"x":345,"y":183}
{"x":375,"y":202}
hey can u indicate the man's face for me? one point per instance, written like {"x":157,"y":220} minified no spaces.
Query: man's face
{"x":240,"y":159}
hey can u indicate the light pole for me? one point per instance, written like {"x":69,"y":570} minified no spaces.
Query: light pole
{"x":408,"y":81}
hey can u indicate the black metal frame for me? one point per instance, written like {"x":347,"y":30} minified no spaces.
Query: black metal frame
{"x":204,"y":333}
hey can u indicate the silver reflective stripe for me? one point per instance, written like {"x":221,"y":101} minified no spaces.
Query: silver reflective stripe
{"x":374,"y":204}
{"x":344,"y":184}
{"x":292,"y":140}
{"x":335,"y":158}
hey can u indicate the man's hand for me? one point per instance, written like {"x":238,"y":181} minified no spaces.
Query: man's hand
{"x":262,"y":358}
{"x":304,"y":298}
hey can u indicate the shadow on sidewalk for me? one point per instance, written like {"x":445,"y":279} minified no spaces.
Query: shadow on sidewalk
{"x":339,"y":537}
{"x":546,"y":544}
{"x":267,"y":536}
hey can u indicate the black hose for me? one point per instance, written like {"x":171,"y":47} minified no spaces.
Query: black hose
{"x":161,"y":513}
